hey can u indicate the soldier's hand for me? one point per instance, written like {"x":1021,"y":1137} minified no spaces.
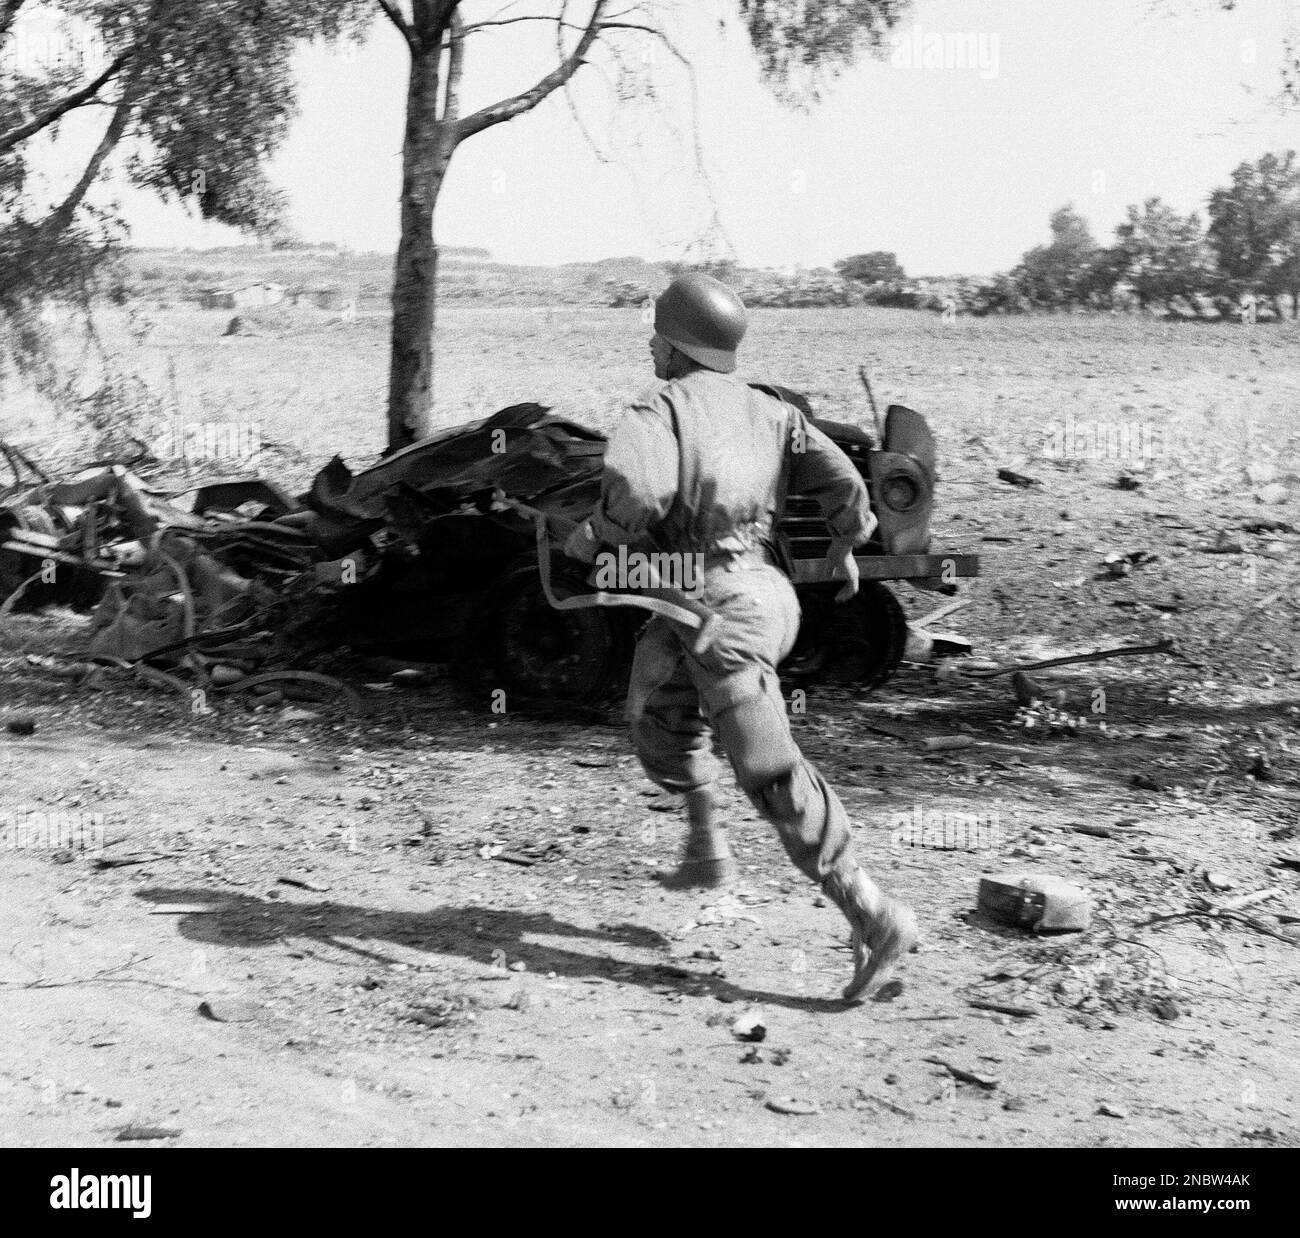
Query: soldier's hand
{"x":844,"y":567}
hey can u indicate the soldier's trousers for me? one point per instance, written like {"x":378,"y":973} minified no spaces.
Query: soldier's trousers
{"x":677,"y":701}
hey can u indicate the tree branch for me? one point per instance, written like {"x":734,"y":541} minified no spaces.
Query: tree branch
{"x":525,"y":101}
{"x":394,"y":15}
{"x":76,"y":99}
{"x":61,"y":216}
{"x":510,"y":21}
{"x":455,"y":68}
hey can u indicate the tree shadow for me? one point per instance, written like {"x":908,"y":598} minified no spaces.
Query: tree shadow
{"x":484,"y":936}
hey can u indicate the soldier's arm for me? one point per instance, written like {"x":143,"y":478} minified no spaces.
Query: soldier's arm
{"x":639,"y":483}
{"x":820,"y":470}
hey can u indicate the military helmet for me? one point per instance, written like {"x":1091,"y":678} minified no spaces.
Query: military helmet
{"x":701,"y":317}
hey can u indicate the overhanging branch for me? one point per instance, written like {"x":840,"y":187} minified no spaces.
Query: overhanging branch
{"x":76,"y":99}
{"x":62,"y":215}
{"x":525,"y":101}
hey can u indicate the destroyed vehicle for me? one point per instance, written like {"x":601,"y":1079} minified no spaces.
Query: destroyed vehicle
{"x":450,"y":564}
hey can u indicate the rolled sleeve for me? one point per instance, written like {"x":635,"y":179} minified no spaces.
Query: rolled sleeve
{"x":820,"y":470}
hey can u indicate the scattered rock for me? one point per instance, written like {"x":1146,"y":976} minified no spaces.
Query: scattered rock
{"x":1012,"y":478}
{"x":228,"y":1010}
{"x":793,"y":1105}
{"x":1166,"y":1008}
{"x":1107,"y":1110}
{"x":303,"y":883}
{"x":750,"y":1026}
{"x":126,"y":1134}
{"x":1040,"y":902}
{"x":987,"y":1082}
{"x":20,"y":724}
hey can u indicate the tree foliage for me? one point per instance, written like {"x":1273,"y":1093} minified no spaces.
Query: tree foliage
{"x":1064,"y":271}
{"x":875,"y":267}
{"x":1161,"y":255}
{"x":1255,"y":225}
{"x":802,"y":45}
{"x":199,"y":93}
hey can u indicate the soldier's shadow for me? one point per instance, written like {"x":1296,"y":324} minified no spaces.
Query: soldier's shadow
{"x":485,"y":936}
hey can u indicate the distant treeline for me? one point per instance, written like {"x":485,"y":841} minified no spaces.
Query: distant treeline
{"x":1245,"y":262}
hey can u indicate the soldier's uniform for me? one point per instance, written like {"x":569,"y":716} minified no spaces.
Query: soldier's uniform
{"x":701,"y":466}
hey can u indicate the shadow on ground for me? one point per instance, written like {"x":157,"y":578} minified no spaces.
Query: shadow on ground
{"x":234,"y":920}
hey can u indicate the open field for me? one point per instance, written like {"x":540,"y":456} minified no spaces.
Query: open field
{"x":407,"y":987}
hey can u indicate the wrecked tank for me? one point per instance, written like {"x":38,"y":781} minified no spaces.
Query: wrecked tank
{"x":457,"y":577}
{"x":436,"y":553}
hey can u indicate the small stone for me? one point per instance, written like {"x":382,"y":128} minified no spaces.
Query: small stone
{"x":750,"y":1026}
{"x":228,"y":1010}
{"x":793,"y":1105}
{"x":1166,"y":1008}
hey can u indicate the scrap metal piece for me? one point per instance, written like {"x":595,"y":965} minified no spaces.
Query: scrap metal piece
{"x":1035,"y":901}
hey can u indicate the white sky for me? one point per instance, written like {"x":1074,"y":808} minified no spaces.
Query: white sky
{"x":1096,"y":102}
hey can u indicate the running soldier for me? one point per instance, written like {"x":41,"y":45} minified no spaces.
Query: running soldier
{"x":700,"y":467}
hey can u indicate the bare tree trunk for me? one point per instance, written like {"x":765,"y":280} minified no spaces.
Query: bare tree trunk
{"x":424,"y":163}
{"x":434,"y":128}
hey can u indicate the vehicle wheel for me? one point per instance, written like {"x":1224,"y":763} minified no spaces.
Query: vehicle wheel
{"x":859,"y":642}
{"x":536,"y":653}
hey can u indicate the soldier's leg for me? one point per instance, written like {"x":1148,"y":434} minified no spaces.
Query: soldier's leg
{"x":810,"y":819}
{"x":673,"y":740}
{"x":741,"y":691}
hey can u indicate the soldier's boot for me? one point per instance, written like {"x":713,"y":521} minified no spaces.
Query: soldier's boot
{"x":707,"y":862}
{"x":884,"y":929}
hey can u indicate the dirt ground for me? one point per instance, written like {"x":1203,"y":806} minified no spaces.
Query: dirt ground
{"x":434,"y":925}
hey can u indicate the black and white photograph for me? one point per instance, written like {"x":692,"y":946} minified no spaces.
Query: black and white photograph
{"x":651,"y":575}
